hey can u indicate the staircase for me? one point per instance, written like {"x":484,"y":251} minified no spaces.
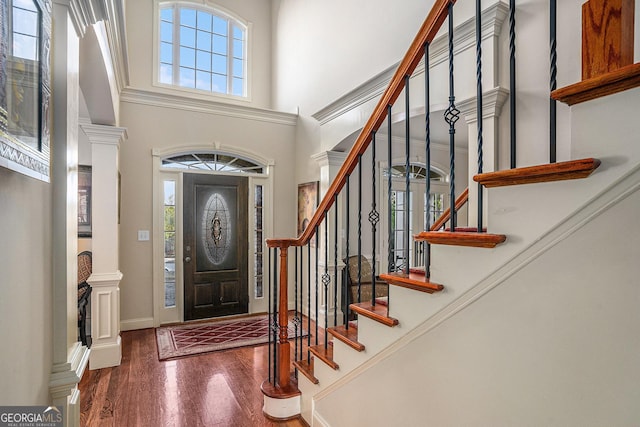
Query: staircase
{"x":359,"y":369}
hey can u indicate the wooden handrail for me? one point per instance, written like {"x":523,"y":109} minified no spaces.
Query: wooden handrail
{"x":446,"y":215}
{"x":412,"y":58}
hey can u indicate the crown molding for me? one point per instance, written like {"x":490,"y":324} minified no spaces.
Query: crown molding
{"x":464,"y":38}
{"x":164,"y":100}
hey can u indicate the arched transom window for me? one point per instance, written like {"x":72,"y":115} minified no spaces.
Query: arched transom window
{"x":202,"y":48}
{"x":214,"y":162}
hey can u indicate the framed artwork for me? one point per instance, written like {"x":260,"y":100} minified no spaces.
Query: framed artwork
{"x":25,"y":86}
{"x":308,"y":199}
{"x":84,"y":201}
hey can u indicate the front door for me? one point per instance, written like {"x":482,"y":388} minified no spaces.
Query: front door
{"x":215,"y":246}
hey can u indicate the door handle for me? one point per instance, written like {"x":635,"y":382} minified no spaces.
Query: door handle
{"x":187,"y":259}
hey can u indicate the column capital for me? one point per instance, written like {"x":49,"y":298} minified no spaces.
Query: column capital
{"x":103,"y":134}
{"x":330,"y":158}
{"x":492,"y":102}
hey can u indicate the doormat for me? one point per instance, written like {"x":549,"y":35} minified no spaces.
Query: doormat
{"x":191,"y":339}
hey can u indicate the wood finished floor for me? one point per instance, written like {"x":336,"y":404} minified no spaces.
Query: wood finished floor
{"x":214,"y":389}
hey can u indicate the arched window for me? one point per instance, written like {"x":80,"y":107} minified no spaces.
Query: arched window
{"x":214,"y":162}
{"x":201,"y":48}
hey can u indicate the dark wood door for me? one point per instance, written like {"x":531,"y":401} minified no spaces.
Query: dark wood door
{"x":215,"y":246}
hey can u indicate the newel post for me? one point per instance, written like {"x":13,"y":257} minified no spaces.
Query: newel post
{"x":284,"y":348}
{"x":282,"y":397}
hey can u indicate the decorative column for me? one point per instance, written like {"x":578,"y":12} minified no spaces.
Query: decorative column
{"x":105,"y":280}
{"x":329,"y":163}
{"x":70,"y":358}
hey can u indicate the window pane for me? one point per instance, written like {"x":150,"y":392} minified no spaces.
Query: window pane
{"x":170,"y":193}
{"x":187,"y":77}
{"x":219,"y":83}
{"x":169,"y":244}
{"x":166,"y":32}
{"x":219,"y":25}
{"x":187,"y":37}
{"x":166,"y":74}
{"x":204,"y":41}
{"x":187,"y":57}
{"x":25,"y":4}
{"x":203,"y":60}
{"x":237,"y":68}
{"x":237,"y":33}
{"x":188,"y":17}
{"x":203,"y":80}
{"x":170,"y":218}
{"x":204,"y":21}
{"x":166,"y":53}
{"x":238,"y":87}
{"x":25,"y":22}
{"x":219,"y":44}
{"x":166,"y":14}
{"x":25,"y":47}
{"x":238,"y":51}
{"x":219,"y":64}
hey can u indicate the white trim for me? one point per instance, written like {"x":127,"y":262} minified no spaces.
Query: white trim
{"x":213,"y":147}
{"x":606,"y":199}
{"x":134,"y":324}
{"x":464,"y":38}
{"x":207,"y":106}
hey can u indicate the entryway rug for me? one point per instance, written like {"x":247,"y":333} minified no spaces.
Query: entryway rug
{"x":191,"y":339}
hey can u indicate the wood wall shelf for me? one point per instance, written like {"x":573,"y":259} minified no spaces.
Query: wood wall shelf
{"x":619,"y":80}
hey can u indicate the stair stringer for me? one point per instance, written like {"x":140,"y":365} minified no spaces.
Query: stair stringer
{"x":628,"y":187}
{"x":377,"y":336}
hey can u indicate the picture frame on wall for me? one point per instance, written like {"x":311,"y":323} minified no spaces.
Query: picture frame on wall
{"x":308,"y":199}
{"x":84,"y":201}
{"x":25,"y":87}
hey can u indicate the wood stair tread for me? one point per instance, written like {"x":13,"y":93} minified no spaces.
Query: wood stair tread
{"x":325,"y":354}
{"x":574,"y":169}
{"x":413,"y":281}
{"x":623,"y":78}
{"x":307,"y":369}
{"x":472,"y":239}
{"x":379,"y":313}
{"x":347,"y":336}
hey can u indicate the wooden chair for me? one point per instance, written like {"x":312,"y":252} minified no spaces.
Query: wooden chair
{"x":84,"y":293}
{"x":366,"y":281}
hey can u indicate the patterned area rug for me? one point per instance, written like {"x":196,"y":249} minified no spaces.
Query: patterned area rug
{"x":190,"y":339}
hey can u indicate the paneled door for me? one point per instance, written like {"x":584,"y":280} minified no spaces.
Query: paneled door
{"x":215,"y":246}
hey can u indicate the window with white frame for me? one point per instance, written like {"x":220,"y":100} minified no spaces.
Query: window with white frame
{"x":201,"y":48}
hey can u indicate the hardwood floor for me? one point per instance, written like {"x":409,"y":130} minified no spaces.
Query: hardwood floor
{"x":214,"y":389}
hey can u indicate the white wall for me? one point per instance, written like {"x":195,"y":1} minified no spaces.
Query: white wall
{"x":556,"y":343}
{"x":26,"y":285}
{"x":140,"y":20}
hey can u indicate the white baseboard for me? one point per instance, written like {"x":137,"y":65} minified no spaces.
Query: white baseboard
{"x":105,"y":355}
{"x":133,"y":324}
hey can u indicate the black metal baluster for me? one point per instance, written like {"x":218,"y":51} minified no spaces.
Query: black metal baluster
{"x":269,"y":318}
{"x":407,"y":196}
{"x":359,"y":226}
{"x":309,"y":300}
{"x":295,"y":315}
{"x":512,"y":79}
{"x":345,"y":291}
{"x":326,"y":279}
{"x":479,"y":105}
{"x":301,"y":319}
{"x":427,"y":125}
{"x":374,"y":217}
{"x":317,"y":277}
{"x":553,"y":73}
{"x":335,"y":264}
{"x":451,"y":116}
{"x":390,"y":255}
